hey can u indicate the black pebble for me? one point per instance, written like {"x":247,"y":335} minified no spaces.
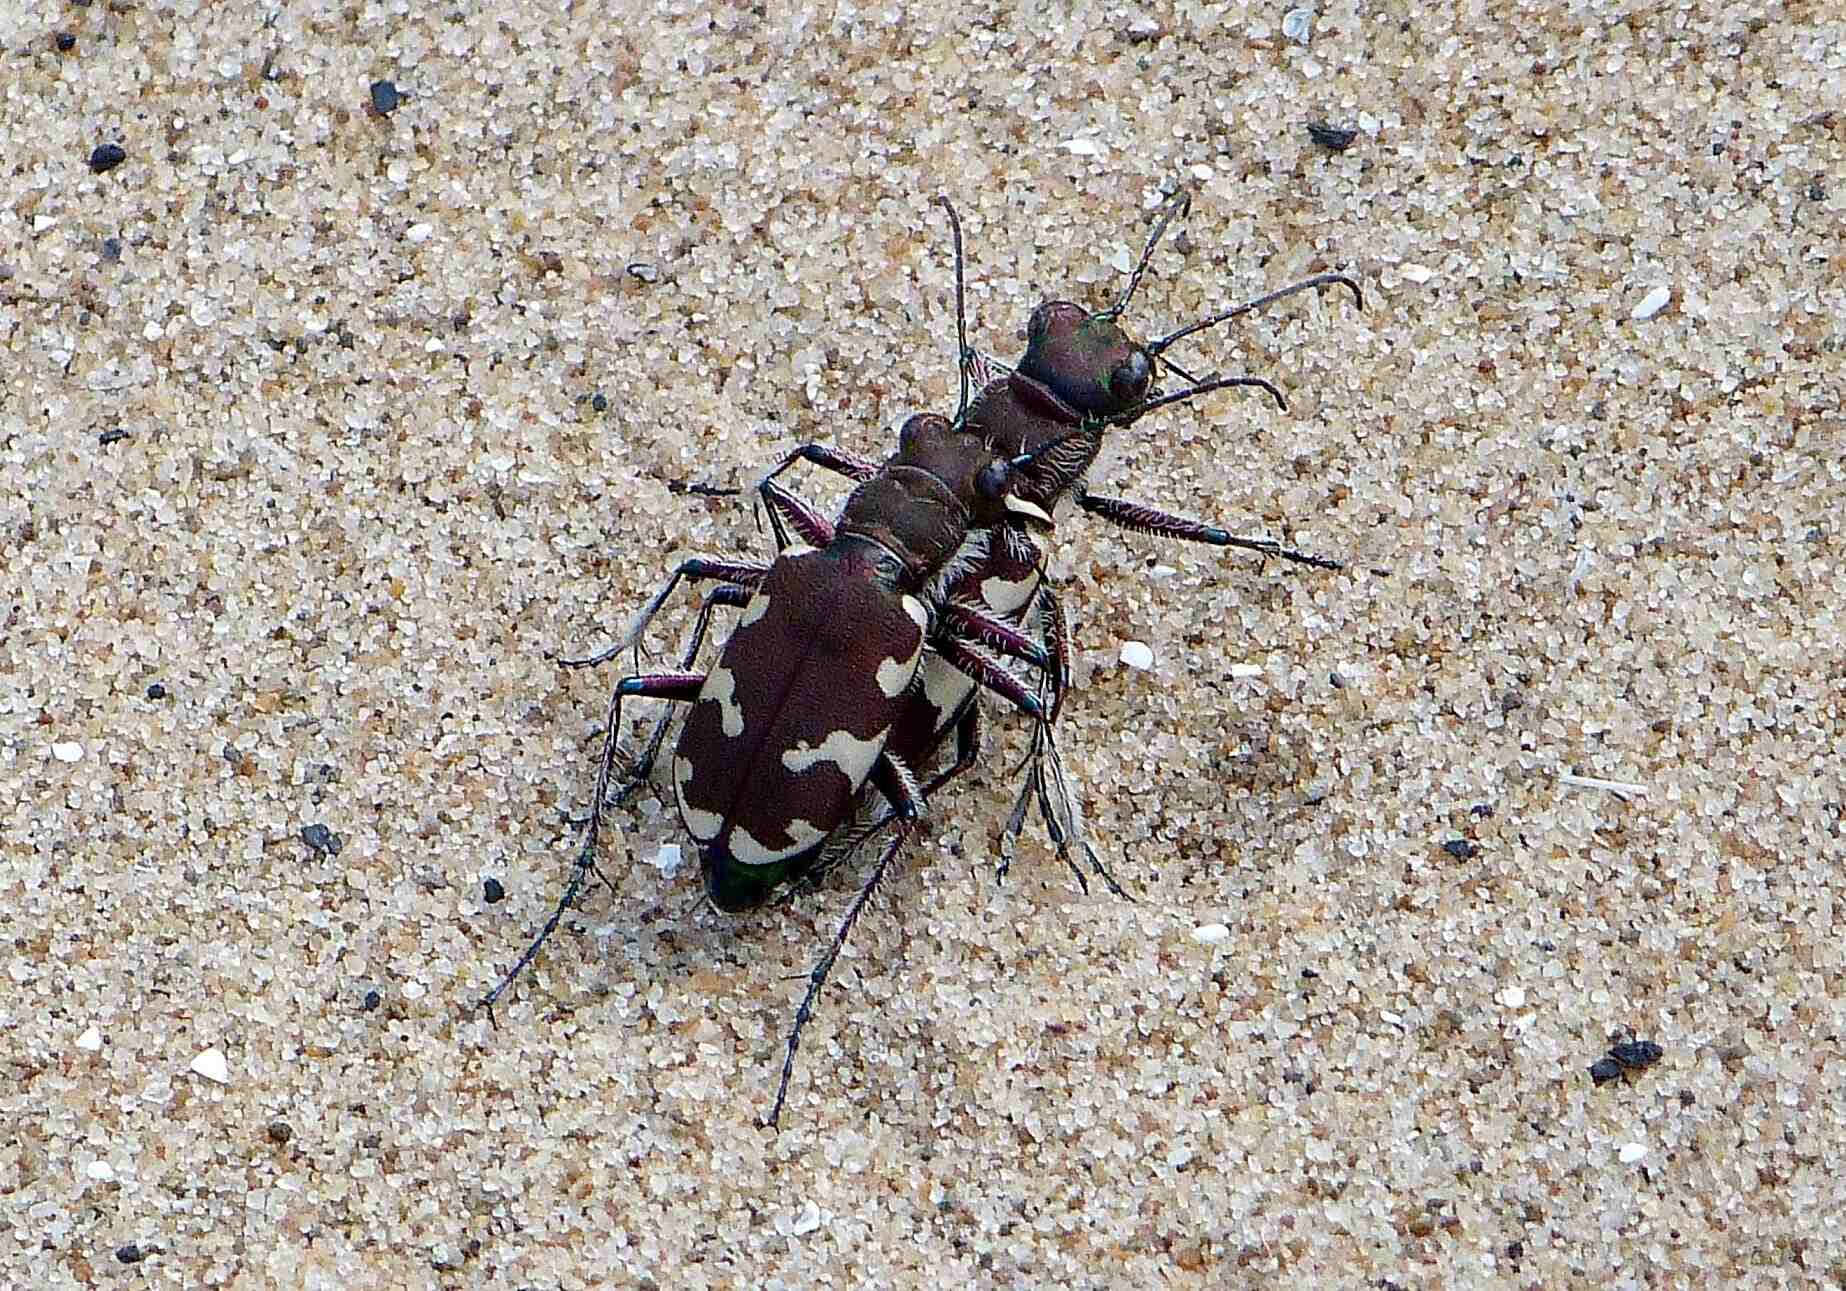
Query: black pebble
{"x":1637,"y":1055}
{"x":280,"y":1132}
{"x":385,"y":98}
{"x":599,"y":402}
{"x":156,"y":691}
{"x":65,"y":42}
{"x":321,"y":839}
{"x":372,"y":1000}
{"x":107,"y":157}
{"x":1461,"y":849}
{"x":1604,"y":1070}
{"x":492,"y":890}
{"x":1332,"y":138}
{"x":130,"y":1254}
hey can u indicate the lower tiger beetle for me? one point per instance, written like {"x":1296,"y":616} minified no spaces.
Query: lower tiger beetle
{"x":1081,"y":375}
{"x":793,"y":720}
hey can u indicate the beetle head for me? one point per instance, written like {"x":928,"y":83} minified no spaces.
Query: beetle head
{"x":1086,"y":359}
{"x":734,"y":886}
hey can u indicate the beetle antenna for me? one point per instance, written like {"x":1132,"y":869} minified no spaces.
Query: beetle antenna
{"x":1175,"y":206}
{"x":1318,"y":280}
{"x":962,"y":353}
{"x":1140,"y":410}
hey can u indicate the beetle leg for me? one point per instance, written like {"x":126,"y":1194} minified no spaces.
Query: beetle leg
{"x":812,"y":527}
{"x":972,"y":622}
{"x":898,"y":784}
{"x":1151,"y":520}
{"x":729,"y":595}
{"x":1064,"y":819}
{"x":1056,"y":631}
{"x":833,"y":459}
{"x":677,"y":686}
{"x":967,"y":746}
{"x":970,"y":659}
{"x":741,"y":573}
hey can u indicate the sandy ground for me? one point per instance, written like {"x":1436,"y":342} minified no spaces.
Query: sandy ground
{"x":322,"y":426}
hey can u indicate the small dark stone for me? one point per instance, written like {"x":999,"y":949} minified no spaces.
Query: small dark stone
{"x":112,"y":250}
{"x":1309,"y":973}
{"x":493,"y":892}
{"x":280,"y":1132}
{"x":1637,"y":1055}
{"x":641,"y":271}
{"x":385,"y":98}
{"x":321,"y":839}
{"x":599,"y":401}
{"x":1604,"y":1070}
{"x":65,"y":42}
{"x":107,"y":158}
{"x":156,"y":691}
{"x":1515,"y":1251}
{"x":115,"y":436}
{"x":130,"y":1254}
{"x":372,"y":1000}
{"x":1461,"y":849}
{"x":1332,"y":138}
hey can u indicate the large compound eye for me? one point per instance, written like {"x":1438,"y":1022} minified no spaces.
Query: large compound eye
{"x":993,"y":479}
{"x":1040,"y":320}
{"x":1129,"y":379}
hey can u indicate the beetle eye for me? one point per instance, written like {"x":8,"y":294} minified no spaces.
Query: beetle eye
{"x":1041,"y":318}
{"x":1130,"y":378}
{"x":993,"y":479}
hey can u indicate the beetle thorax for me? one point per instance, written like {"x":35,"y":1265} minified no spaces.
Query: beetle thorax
{"x":911,"y":514}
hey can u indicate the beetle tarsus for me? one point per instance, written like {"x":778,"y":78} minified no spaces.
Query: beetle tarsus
{"x":817,"y":978}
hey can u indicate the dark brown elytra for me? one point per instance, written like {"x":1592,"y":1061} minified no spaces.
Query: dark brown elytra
{"x":1082,"y":374}
{"x":790,"y":724}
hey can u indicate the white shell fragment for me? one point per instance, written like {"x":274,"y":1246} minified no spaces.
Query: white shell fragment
{"x":1514,"y":997}
{"x":669,"y":860}
{"x":1632,"y":1152}
{"x":212,"y":1066}
{"x":1210,"y":934}
{"x":1296,"y":23}
{"x":67,"y":751}
{"x":1137,"y":654}
{"x":1245,"y":671}
{"x":91,"y":1039}
{"x":807,"y":1221}
{"x":1417,"y":273}
{"x":1652,"y":303}
{"x":101,"y":1171}
{"x":1083,"y":147}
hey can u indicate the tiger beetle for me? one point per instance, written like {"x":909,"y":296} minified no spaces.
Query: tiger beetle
{"x":791,"y":723}
{"x":1081,"y":375}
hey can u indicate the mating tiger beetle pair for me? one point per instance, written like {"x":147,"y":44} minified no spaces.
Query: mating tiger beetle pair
{"x":864,"y":644}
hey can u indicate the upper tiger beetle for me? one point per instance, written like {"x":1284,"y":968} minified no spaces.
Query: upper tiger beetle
{"x":1081,"y":375}
{"x":793,"y":720}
